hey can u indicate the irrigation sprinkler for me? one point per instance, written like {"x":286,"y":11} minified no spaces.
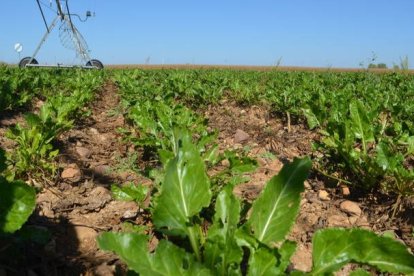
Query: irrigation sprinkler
{"x":69,"y":35}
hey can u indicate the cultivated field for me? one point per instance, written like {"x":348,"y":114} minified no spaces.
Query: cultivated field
{"x":187,"y":170}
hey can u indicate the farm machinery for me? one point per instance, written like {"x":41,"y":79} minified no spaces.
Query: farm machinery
{"x":69,"y":35}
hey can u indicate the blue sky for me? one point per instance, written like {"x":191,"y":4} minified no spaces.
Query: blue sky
{"x":322,"y":33}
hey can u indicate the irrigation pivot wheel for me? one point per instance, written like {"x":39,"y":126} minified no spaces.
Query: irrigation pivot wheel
{"x":96,"y":63}
{"x":26,"y":61}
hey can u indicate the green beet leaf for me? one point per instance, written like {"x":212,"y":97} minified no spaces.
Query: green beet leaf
{"x":286,"y":252}
{"x":267,"y":261}
{"x":167,"y":259}
{"x":17,"y":202}
{"x":245,"y":239}
{"x":333,"y":248}
{"x":410,"y":145}
{"x":185,"y":189}
{"x":240,"y":165}
{"x":263,"y":262}
{"x":221,"y":249}
{"x":361,"y":124}
{"x":311,"y":118}
{"x":275,"y":210}
{"x":129,"y":192}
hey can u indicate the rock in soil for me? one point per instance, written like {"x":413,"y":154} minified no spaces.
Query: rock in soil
{"x":350,"y":208}
{"x":83,"y":152}
{"x":71,"y":173}
{"x":99,"y":197}
{"x":241,"y":136}
{"x":323,"y":195}
{"x":345,"y":191}
{"x":129,"y":214}
{"x":102,"y":170}
{"x":338,"y":221}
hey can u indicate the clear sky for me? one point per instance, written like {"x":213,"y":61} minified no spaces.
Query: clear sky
{"x":335,"y":33}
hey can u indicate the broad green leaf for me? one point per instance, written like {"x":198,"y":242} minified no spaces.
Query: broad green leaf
{"x":298,"y":273}
{"x":207,"y":139}
{"x":275,"y":210}
{"x":362,"y":126}
{"x":382,"y":157}
{"x":165,"y":156}
{"x":410,"y":144}
{"x":311,"y":118}
{"x":386,"y":159}
{"x":130,"y":192}
{"x":333,"y":248}
{"x":212,"y":155}
{"x":185,"y":189}
{"x":221,"y":249}
{"x":240,"y":165}
{"x":278,"y":258}
{"x":245,"y":239}
{"x":33,"y":120}
{"x":17,"y":202}
{"x":167,"y":259}
{"x":286,"y":252}
{"x":390,"y":234}
{"x":263,"y":262}
{"x":129,"y":227}
{"x":330,"y":142}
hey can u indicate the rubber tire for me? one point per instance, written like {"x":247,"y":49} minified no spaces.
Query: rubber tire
{"x":25,"y":61}
{"x":96,"y":63}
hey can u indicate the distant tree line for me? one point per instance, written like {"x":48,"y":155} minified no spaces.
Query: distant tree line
{"x":404,"y":64}
{"x":377,"y":66}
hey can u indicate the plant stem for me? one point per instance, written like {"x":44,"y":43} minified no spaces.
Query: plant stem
{"x":193,"y":240}
{"x":288,"y":121}
{"x":395,"y":207}
{"x":333,"y":177}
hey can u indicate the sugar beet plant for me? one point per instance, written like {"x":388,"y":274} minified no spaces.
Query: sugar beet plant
{"x":372,"y":147}
{"x":154,"y":117}
{"x":35,"y":153}
{"x":235,"y":244}
{"x":17,"y":202}
{"x":156,"y":120}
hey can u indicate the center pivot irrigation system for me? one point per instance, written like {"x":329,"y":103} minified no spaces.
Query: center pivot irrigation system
{"x":69,"y":36}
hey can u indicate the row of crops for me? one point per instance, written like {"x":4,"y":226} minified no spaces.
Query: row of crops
{"x":31,"y":164}
{"x":366,"y":120}
{"x":366,"y":128}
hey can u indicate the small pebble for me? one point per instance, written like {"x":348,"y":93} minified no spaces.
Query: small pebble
{"x":350,"y":208}
{"x":323,"y":195}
